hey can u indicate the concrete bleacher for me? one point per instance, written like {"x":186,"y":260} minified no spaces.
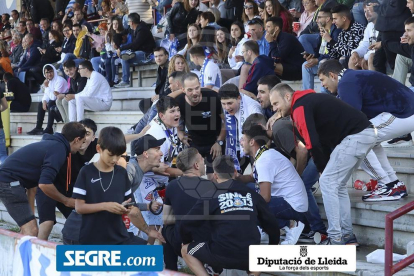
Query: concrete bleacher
{"x":368,"y":218}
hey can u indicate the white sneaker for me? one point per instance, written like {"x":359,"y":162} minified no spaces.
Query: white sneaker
{"x":293,"y":234}
{"x":264,"y":237}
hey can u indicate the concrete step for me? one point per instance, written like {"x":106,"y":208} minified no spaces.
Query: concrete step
{"x":402,"y":160}
{"x":368,"y":219}
{"x":124,"y":99}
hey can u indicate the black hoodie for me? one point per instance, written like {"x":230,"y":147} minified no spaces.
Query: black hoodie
{"x":36,"y":163}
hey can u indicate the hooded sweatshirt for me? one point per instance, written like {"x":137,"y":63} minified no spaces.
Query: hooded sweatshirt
{"x":57,"y":84}
{"x":36,"y":163}
{"x":324,"y":121}
{"x":262,"y":66}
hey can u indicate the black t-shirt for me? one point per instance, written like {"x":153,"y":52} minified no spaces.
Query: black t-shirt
{"x":102,"y":227}
{"x":20,"y":90}
{"x":182,"y":194}
{"x":1,"y":121}
{"x":203,"y":121}
{"x":233,"y":213}
{"x":78,"y":84}
{"x":78,"y":161}
{"x":284,"y":138}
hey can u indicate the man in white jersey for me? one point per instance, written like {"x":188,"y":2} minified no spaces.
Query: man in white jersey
{"x":210,"y":75}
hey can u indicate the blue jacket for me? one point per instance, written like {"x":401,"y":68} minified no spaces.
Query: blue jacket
{"x":374,"y":93}
{"x":262,"y":66}
{"x":36,"y":163}
{"x":34,"y":57}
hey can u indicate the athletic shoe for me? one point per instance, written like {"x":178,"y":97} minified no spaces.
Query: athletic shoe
{"x":128,"y":55}
{"x":383,"y":193}
{"x":319,"y":238}
{"x":330,"y":241}
{"x":210,"y":270}
{"x":48,"y":130}
{"x":293,"y":234}
{"x":264,"y":237}
{"x":122,"y":84}
{"x":403,"y":189}
{"x":36,"y":131}
{"x":350,"y":239}
{"x":402,"y":141}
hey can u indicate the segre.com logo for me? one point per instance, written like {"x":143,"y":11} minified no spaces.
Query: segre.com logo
{"x":109,"y":258}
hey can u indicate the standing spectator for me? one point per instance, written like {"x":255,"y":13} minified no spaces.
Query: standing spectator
{"x":22,"y":99}
{"x":142,"y":45}
{"x":285,"y":50}
{"x":76,"y":85}
{"x":390,"y":24}
{"x":250,"y":12}
{"x":307,"y":15}
{"x":274,"y":8}
{"x":181,"y":15}
{"x":210,"y":75}
{"x":96,"y":96}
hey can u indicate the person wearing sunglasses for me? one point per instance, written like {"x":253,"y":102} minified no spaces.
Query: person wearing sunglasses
{"x":64,"y":182}
{"x":250,"y":12}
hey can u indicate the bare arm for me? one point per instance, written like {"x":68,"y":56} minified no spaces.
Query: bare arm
{"x":265,"y":191}
{"x":4,"y":104}
{"x":90,"y":208}
{"x":51,"y":191}
{"x":168,"y":215}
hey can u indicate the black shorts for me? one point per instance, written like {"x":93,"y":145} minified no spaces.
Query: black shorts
{"x":168,"y":232}
{"x":202,"y":252}
{"x":13,"y":195}
{"x":46,"y":207}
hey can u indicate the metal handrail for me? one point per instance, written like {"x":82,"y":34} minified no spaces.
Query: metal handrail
{"x":390,"y":268}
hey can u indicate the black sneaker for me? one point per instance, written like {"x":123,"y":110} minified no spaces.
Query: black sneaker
{"x":36,"y":131}
{"x":330,"y":241}
{"x":211,"y":272}
{"x":402,"y":141}
{"x":350,"y":239}
{"x":48,"y":130}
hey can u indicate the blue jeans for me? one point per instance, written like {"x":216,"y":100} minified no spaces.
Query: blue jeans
{"x":138,"y":59}
{"x":110,"y":69}
{"x":359,"y":14}
{"x":284,"y":212}
{"x":96,"y":61}
{"x":309,"y":176}
{"x":309,"y":42}
{"x":308,"y":77}
{"x":3,"y":149}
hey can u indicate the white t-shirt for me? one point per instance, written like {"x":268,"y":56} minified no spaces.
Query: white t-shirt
{"x":212,"y":75}
{"x":273,"y":167}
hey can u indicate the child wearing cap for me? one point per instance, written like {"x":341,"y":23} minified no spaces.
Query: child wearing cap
{"x":101,"y":191}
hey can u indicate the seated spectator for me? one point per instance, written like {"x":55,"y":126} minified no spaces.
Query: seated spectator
{"x":68,"y":44}
{"x":54,"y":85}
{"x":228,"y":247}
{"x":223,"y":46}
{"x":98,"y":44}
{"x":219,"y":5}
{"x":177,"y":64}
{"x":208,"y":41}
{"x":285,"y":50}
{"x":250,"y":12}
{"x":22,"y":99}
{"x":79,"y":33}
{"x":16,"y":18}
{"x":363,"y":56}
{"x":258,"y":34}
{"x":208,"y":19}
{"x":31,"y":55}
{"x":261,"y":66}
{"x":307,"y":16}
{"x":137,"y":51}
{"x":210,"y":75}
{"x":45,"y":28}
{"x":57,"y":26}
{"x":235,"y":57}
{"x":96,"y":96}
{"x":21,"y":28}
{"x":5,"y":63}
{"x":292,"y":4}
{"x":193,"y":38}
{"x":76,"y":85}
{"x":161,"y":59}
{"x":105,"y":11}
{"x":5,"y":20}
{"x":181,"y":15}
{"x":274,"y":8}
{"x":280,"y":186}
{"x":326,"y":41}
{"x":92,"y":8}
{"x":78,"y":18}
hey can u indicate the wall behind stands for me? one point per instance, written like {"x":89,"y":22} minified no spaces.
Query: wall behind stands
{"x":22,"y":255}
{"x":6,"y":6}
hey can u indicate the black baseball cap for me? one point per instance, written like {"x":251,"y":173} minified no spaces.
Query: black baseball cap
{"x":147,"y":142}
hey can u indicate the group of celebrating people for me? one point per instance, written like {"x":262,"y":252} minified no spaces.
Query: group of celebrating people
{"x":221,"y":105}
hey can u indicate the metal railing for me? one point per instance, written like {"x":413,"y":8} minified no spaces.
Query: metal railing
{"x":390,"y":268}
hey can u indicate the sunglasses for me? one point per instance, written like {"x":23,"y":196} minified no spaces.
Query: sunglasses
{"x":248,"y":7}
{"x":126,"y":157}
{"x":255,"y":21}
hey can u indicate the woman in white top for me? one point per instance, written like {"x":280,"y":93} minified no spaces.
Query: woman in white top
{"x":235,"y":57}
{"x":251,"y":11}
{"x":307,"y":15}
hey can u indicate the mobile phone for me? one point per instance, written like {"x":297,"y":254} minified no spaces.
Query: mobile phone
{"x":128,"y":204}
{"x":305,"y":54}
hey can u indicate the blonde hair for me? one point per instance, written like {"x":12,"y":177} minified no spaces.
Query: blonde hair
{"x":171,"y":65}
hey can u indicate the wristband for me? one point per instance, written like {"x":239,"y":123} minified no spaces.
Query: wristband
{"x":155,"y":213}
